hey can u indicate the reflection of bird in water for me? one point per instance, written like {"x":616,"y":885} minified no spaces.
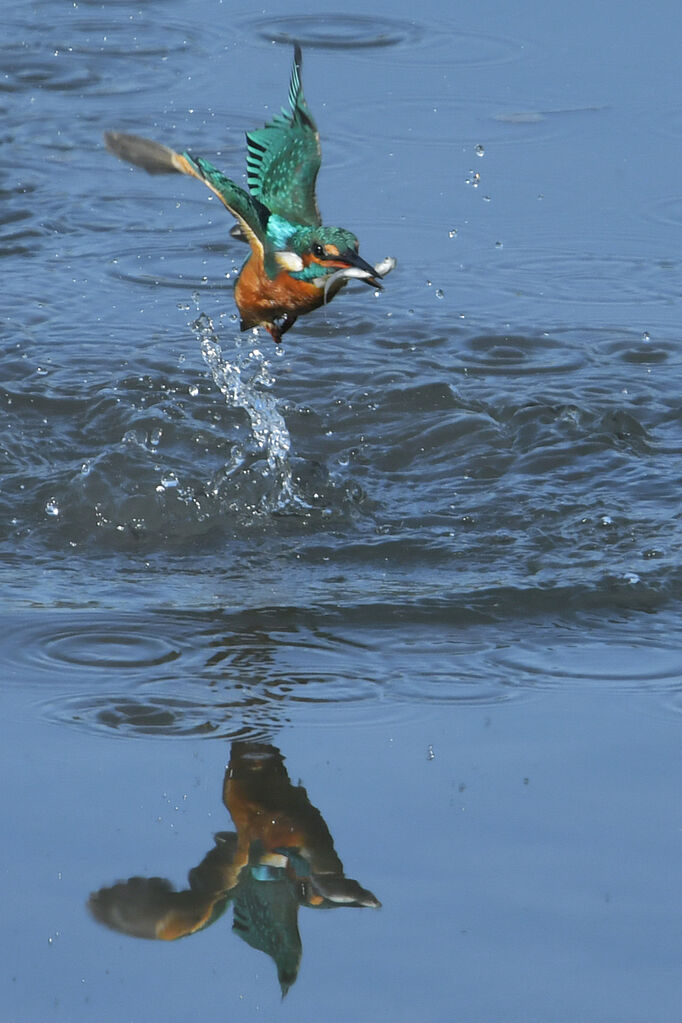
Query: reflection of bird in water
{"x":281,"y":857}
{"x":296,"y":264}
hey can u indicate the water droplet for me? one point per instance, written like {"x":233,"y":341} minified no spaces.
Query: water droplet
{"x":474,"y":179}
{"x":486,"y":198}
{"x":631,"y":577}
{"x":646,"y":337}
{"x":499,"y":245}
{"x":40,"y":372}
{"x":51,"y":507}
{"x":430,"y":755}
{"x":479,"y":150}
{"x":168,"y":482}
{"x":452,"y":233}
{"x":193,"y":390}
{"x":440,"y":293}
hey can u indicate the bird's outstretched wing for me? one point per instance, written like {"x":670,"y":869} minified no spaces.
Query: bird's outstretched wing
{"x":284,"y":158}
{"x":157,"y":159}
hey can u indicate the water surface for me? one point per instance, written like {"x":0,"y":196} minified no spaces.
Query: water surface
{"x":427,"y":553}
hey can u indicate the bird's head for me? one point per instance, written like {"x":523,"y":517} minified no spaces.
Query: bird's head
{"x":331,"y":249}
{"x":316,"y":253}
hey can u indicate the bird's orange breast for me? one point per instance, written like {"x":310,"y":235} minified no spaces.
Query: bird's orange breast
{"x":261,"y":299}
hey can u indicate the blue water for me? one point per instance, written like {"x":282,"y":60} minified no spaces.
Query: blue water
{"x":429,"y":550}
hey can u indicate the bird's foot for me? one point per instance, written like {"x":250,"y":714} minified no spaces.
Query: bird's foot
{"x":278,"y":328}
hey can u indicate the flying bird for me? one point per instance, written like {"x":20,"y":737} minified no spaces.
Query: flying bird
{"x":296,"y":264}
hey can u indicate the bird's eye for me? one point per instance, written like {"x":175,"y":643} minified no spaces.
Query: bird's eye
{"x":317,"y":250}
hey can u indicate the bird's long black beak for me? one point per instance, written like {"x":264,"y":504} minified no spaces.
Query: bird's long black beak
{"x":353,"y":259}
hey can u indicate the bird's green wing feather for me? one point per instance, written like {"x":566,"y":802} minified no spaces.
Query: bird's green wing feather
{"x":158,"y":159}
{"x":284,"y":158}
{"x":249,"y":211}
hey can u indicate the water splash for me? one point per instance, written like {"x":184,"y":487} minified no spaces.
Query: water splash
{"x":245,"y":380}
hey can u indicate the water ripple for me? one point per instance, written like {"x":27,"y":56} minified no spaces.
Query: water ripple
{"x":174,"y":267}
{"x":424,"y":44}
{"x":141,"y":215}
{"x":616,"y":663}
{"x":335,"y":31}
{"x":134,"y":714}
{"x":227,"y":712}
{"x":97,"y":36}
{"x":444,"y":121}
{"x":308,"y":688}
{"x":513,"y":355}
{"x":124,"y":647}
{"x":586,"y":278}
{"x":65,"y":64}
{"x":476,"y":689}
{"x":24,"y":71}
{"x":103,"y":649}
{"x":236,"y":701}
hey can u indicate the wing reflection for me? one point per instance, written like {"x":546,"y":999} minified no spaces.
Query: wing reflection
{"x":281,"y":857}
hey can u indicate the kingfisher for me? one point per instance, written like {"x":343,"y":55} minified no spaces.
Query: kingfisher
{"x":296,"y":264}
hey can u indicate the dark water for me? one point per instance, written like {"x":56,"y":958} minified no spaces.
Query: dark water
{"x":430,"y":550}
